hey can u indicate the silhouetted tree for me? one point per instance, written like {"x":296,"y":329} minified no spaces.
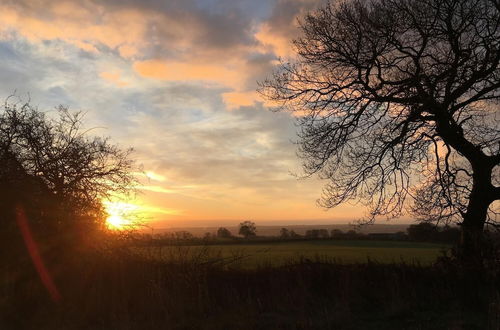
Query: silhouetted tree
{"x":223,"y":233}
{"x":423,"y":231}
{"x":311,"y":233}
{"x":56,"y":171}
{"x":352,"y":234}
{"x":336,"y":233}
{"x":323,"y":233}
{"x":284,"y":233}
{"x":317,"y":233}
{"x":247,"y":229}
{"x":428,"y":232}
{"x":399,"y":98}
{"x":183,"y":235}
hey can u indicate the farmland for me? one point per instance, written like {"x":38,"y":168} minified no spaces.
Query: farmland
{"x":260,"y":254}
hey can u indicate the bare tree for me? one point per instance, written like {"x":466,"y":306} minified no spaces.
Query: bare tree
{"x":399,"y":99}
{"x":74,"y":171}
{"x":247,"y":229}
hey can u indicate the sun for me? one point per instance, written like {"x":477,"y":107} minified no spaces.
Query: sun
{"x":116,"y":222}
{"x":119,"y":214}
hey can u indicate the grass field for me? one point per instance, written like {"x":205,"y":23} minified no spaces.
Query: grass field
{"x":254,"y":255}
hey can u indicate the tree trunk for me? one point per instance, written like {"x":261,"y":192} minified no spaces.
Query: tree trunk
{"x":473,"y":245}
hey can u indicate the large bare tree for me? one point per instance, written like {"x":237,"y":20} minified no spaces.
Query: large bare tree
{"x":399,"y":99}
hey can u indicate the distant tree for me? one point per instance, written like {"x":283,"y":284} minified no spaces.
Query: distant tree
{"x":423,"y":231}
{"x":68,"y":172}
{"x":183,"y":235}
{"x":284,"y":233}
{"x":398,"y":99}
{"x":323,"y":233}
{"x":247,"y":229}
{"x":317,"y":233}
{"x":401,"y":236}
{"x":311,"y":233}
{"x":429,"y":232}
{"x":336,"y":233}
{"x":293,"y":234}
{"x":352,"y":234}
{"x":223,"y":233}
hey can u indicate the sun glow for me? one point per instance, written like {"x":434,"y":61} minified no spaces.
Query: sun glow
{"x":120,"y":215}
{"x":116,"y":222}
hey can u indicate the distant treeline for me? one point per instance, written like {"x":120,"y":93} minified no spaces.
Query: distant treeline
{"x":421,"y":232}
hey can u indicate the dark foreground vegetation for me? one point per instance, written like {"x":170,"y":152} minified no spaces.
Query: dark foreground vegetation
{"x":115,"y":289}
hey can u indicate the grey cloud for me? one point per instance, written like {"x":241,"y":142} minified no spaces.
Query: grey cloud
{"x":284,"y":15}
{"x":24,"y":73}
{"x":227,"y":150}
{"x":259,"y":66}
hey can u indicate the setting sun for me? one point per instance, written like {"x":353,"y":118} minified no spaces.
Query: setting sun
{"x":116,"y":222}
{"x":120,"y":214}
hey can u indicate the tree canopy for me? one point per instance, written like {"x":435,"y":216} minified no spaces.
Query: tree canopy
{"x":398,"y":100}
{"x":55,"y":170}
{"x":247,"y":229}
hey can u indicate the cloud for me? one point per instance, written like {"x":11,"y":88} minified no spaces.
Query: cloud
{"x":177,"y":71}
{"x":235,"y":100}
{"x":277,"y":32}
{"x":160,"y":76}
{"x":230,"y":43}
{"x":155,"y":176}
{"x":274,"y":42}
{"x":76,"y":23}
{"x":113,"y":77}
{"x":157,"y":189}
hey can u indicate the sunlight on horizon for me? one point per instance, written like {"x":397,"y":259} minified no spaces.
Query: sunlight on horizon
{"x":121,"y":215}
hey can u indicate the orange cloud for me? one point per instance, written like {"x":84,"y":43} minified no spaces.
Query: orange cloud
{"x":234,"y":100}
{"x":78,"y":25}
{"x":180,"y":71}
{"x":114,"y":78}
{"x":277,"y":43}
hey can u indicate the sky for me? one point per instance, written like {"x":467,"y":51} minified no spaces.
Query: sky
{"x":175,"y":80}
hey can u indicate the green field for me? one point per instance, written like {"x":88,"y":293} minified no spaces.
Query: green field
{"x":253,"y":255}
